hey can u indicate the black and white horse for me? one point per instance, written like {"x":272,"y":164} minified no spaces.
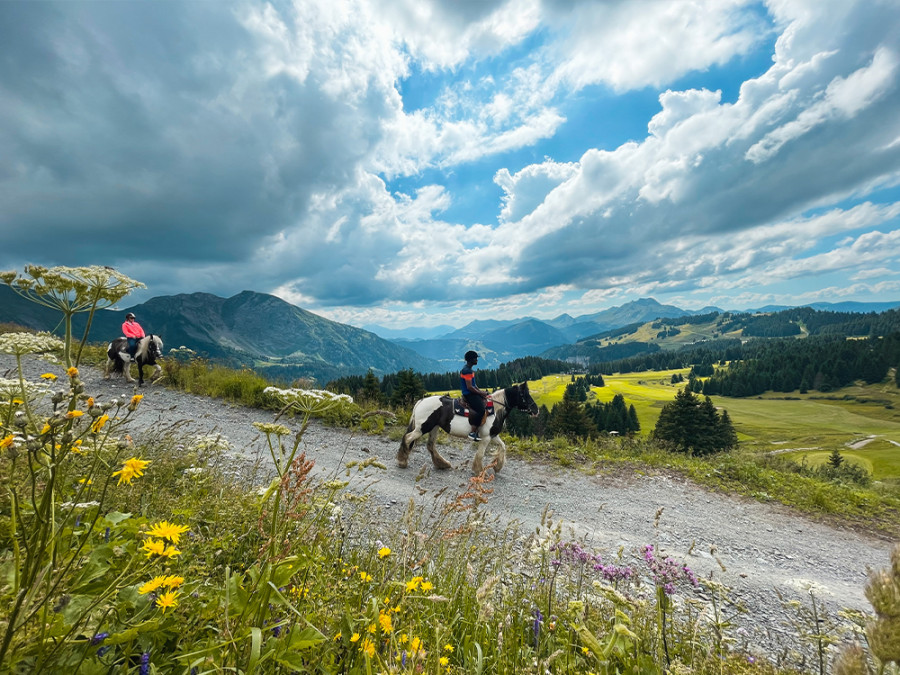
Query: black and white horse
{"x":149,"y":349}
{"x":433,"y":413}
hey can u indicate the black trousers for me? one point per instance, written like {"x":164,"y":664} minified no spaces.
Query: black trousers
{"x":476,"y":409}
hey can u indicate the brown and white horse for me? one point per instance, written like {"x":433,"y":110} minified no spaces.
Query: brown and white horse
{"x":434,"y":413}
{"x":149,"y":349}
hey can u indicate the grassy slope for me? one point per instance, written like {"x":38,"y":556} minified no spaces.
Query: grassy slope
{"x":811,"y":423}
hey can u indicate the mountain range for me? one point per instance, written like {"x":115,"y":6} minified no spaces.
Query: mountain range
{"x":286,"y":342}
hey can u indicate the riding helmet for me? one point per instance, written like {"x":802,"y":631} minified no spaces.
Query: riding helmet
{"x":129,"y":315}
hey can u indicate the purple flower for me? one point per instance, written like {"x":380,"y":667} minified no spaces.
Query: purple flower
{"x":102,"y":651}
{"x":106,"y":535}
{"x":538,"y":619}
{"x":98,"y":638}
{"x":145,"y":664}
{"x":276,"y":631}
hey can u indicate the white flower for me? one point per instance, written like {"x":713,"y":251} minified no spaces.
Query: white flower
{"x":309,"y":400}
{"x":10,"y":389}
{"x":29,"y":343}
{"x":211,"y":442}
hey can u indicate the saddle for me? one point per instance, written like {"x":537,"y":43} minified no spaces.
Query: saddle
{"x":461,"y":408}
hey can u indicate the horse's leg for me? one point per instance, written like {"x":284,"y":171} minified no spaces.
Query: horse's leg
{"x":157,"y":371}
{"x":406,"y":443}
{"x":439,"y":462}
{"x":109,"y":364}
{"x":126,"y":369}
{"x":478,"y":462}
{"x":500,"y":455}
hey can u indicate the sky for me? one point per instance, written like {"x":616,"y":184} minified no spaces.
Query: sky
{"x":423,"y":162}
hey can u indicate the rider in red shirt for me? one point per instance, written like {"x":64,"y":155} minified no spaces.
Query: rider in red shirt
{"x":133,"y":331}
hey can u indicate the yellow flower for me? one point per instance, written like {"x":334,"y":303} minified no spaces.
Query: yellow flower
{"x":354,"y":637}
{"x":73,"y":414}
{"x":167,"y":600}
{"x":170,"y":552}
{"x":384,"y":552}
{"x":427,"y":585}
{"x":154,"y":547}
{"x":415,"y":645}
{"x":166,"y":530}
{"x":365,"y":576}
{"x":448,"y":648}
{"x":86,"y":481}
{"x":337,"y":637}
{"x":585,"y":651}
{"x":76,"y":447}
{"x":385,"y":621}
{"x":72,"y":372}
{"x":413,"y":584}
{"x":46,"y":428}
{"x":173,"y":581}
{"x":371,"y":628}
{"x":368,"y":647}
{"x":444,"y":660}
{"x":132,"y":468}
{"x":90,"y":402}
{"x":152,"y":585}
{"x":404,"y":638}
{"x":134,"y":401}
{"x":48,"y":376}
{"x":18,"y":401}
{"x":6,"y":441}
{"x":99,"y":423}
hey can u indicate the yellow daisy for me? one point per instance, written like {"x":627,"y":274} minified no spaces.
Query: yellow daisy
{"x":132,"y":468}
{"x":72,"y":372}
{"x":173,"y":581}
{"x":354,"y":637}
{"x":154,"y":547}
{"x":368,"y":647}
{"x":384,"y":552}
{"x":7,"y":441}
{"x":99,"y":423}
{"x":48,"y":376}
{"x":167,"y":600}
{"x":166,"y":530}
{"x":152,"y":585}
{"x":74,"y":413}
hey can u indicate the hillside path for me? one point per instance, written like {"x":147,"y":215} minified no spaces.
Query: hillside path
{"x":765,"y":549}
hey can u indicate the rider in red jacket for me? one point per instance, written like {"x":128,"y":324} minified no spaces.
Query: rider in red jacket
{"x":133,"y":331}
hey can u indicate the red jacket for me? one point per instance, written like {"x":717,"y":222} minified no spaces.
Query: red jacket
{"x":132,"y":329}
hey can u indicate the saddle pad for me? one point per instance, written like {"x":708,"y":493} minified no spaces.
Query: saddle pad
{"x":459,"y":407}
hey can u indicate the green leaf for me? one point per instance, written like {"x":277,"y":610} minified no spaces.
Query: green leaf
{"x":115,"y":517}
{"x":237,"y":595}
{"x":299,"y":640}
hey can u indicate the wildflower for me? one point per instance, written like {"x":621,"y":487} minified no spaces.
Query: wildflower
{"x":272,"y":428}
{"x":153,"y":585}
{"x":585,"y":651}
{"x":7,"y":441}
{"x":365,"y":576}
{"x":368,"y":647}
{"x":167,"y":600}
{"x":427,"y":586}
{"x":448,"y":648}
{"x":413,"y":584}
{"x":173,"y":581}
{"x":371,"y":628}
{"x":337,"y":637}
{"x":444,"y":660}
{"x":404,"y":638}
{"x":132,"y":468}
{"x":72,"y":414}
{"x":354,"y":637}
{"x":415,"y":645}
{"x":49,"y":376}
{"x":76,"y":447}
{"x":46,"y":428}
{"x":98,"y":638}
{"x":17,"y":401}
{"x":384,"y":552}
{"x":145,"y":664}
{"x":385,"y":621}
{"x":134,"y":401}
{"x":85,"y":481}
{"x":90,"y":402}
{"x":154,"y":547}
{"x":99,"y":423}
{"x":29,"y":343}
{"x":72,"y":372}
{"x":166,"y":530}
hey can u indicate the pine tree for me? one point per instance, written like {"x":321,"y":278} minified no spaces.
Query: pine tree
{"x":408,"y":390}
{"x":570,"y":419}
{"x":371,"y":389}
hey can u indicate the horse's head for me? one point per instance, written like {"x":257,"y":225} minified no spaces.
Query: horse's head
{"x":526,"y":403}
{"x":154,"y":348}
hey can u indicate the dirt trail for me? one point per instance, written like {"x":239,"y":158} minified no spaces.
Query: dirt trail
{"x":764,"y":548}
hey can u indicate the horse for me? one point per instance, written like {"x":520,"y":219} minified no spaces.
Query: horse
{"x":436,"y":412}
{"x":149,"y":349}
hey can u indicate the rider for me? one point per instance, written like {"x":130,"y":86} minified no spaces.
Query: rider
{"x":133,"y":331}
{"x":472,"y":394}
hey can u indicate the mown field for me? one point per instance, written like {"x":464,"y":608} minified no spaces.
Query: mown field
{"x":862,"y":421}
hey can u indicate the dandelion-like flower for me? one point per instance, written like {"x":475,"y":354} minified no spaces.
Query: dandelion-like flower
{"x":153,"y":585}
{"x":368,"y":648}
{"x":133,"y":468}
{"x":72,"y":414}
{"x":99,"y":423}
{"x":384,"y":552}
{"x":365,"y":576}
{"x":48,"y":376}
{"x":72,"y":372}
{"x":167,"y":600}
{"x":7,"y":441}
{"x":154,"y":547}
{"x":354,"y":637}
{"x":384,"y":620}
{"x":134,"y":402}
{"x":166,"y":530}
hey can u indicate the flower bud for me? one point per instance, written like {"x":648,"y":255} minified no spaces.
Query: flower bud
{"x":20,"y":420}
{"x":57,"y":397}
{"x":106,"y":406}
{"x":883,"y":591}
{"x":66,"y":438}
{"x":78,"y":388}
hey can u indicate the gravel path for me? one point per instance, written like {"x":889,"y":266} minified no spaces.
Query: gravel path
{"x":759,"y":550}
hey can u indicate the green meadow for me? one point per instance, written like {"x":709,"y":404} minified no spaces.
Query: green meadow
{"x":862,"y":421}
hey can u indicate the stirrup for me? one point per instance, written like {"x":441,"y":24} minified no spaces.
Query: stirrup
{"x":473,"y":435}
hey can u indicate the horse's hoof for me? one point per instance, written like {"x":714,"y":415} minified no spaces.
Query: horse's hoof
{"x":443,"y":465}
{"x":402,"y":463}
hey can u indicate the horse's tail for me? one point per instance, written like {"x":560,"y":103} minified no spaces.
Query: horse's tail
{"x":113,"y":354}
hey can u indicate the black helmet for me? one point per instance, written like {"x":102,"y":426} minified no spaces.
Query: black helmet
{"x":129,"y":315}
{"x":471,"y":356}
